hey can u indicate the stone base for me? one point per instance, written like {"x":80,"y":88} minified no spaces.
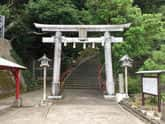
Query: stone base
{"x":45,"y":103}
{"x":121,"y":96}
{"x":55,"y":89}
{"x":55,"y":97}
{"x":110,"y":97}
{"x":17,"y":103}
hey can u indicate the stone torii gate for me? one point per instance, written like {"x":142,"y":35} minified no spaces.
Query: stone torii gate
{"x":105,"y":40}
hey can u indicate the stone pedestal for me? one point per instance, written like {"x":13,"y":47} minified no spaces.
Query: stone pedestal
{"x":17,"y":103}
{"x":55,"y":97}
{"x":110,"y":97}
{"x":121,"y":83}
{"x":56,"y":93}
{"x":121,"y":96}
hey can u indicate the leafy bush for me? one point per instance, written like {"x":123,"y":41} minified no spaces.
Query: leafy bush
{"x":133,"y":85}
{"x":163,"y":97}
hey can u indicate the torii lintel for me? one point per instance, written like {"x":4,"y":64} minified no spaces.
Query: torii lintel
{"x":78,"y":28}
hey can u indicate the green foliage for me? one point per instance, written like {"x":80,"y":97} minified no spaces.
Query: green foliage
{"x":4,"y":10}
{"x":152,"y":100}
{"x":133,"y":85}
{"x":54,"y":12}
{"x":156,"y":61}
{"x":31,"y":84}
{"x":140,"y":39}
{"x":162,"y":11}
{"x":67,"y":61}
{"x":111,"y":12}
{"x":163,"y":97}
{"x":149,"y":6}
{"x":87,"y":52}
{"x":146,"y":34}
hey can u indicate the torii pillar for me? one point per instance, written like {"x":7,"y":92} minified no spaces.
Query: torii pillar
{"x":108,"y":64}
{"x":55,"y":91}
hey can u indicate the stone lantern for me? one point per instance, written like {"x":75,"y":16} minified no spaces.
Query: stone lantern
{"x":126,"y":62}
{"x":44,"y":64}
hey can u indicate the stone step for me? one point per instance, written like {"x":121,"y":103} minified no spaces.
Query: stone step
{"x":84,"y":77}
{"x":73,"y":87}
{"x":82,"y":84}
{"x":82,"y":81}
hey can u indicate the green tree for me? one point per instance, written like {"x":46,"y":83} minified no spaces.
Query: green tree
{"x":146,"y":33}
{"x":53,"y":12}
{"x":4,"y":10}
{"x":149,"y":6}
{"x":156,"y":61}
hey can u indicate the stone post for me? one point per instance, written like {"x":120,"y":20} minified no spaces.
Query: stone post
{"x":44,"y":85}
{"x":121,"y":83}
{"x":126,"y":80}
{"x":108,"y":64}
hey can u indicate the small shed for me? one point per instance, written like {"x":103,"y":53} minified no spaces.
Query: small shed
{"x":15,"y":69}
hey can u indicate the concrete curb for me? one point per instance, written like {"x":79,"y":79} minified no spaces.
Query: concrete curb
{"x":139,"y":114}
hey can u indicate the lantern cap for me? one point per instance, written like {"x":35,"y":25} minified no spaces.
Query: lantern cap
{"x":126,"y":61}
{"x":44,"y":57}
{"x":126,"y":58}
{"x":44,"y":61}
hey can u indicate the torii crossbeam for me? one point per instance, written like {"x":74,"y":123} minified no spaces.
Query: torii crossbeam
{"x":105,"y":40}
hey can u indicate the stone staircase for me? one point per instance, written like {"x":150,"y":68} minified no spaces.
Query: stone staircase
{"x":84,"y":77}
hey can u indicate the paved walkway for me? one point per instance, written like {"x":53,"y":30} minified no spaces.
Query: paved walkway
{"x":77,"y":107}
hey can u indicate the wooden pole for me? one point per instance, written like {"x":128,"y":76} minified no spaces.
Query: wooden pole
{"x":159,"y":98}
{"x":18,"y":102}
{"x":142,"y":89}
